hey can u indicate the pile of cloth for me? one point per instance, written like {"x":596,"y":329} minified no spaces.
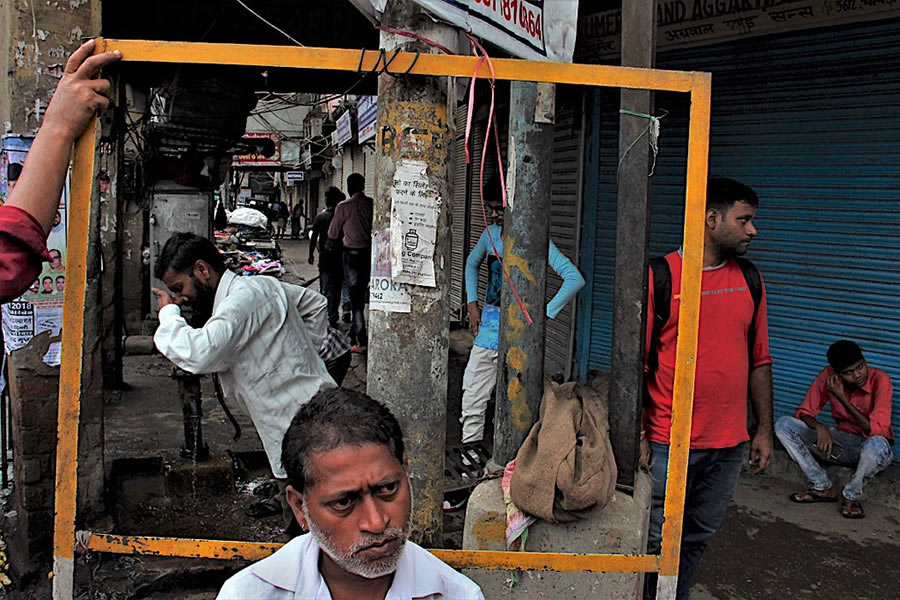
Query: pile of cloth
{"x":247,"y":246}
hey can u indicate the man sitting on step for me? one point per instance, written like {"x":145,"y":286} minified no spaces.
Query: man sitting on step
{"x":860,"y":398}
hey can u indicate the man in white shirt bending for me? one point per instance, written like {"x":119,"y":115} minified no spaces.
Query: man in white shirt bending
{"x":348,"y":485}
{"x":262,"y":336}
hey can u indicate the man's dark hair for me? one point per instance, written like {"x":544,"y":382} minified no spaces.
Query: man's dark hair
{"x":355,"y":183}
{"x":722,"y":193}
{"x":182,"y":250}
{"x":47,"y":278}
{"x":334,"y":418}
{"x":63,"y":277}
{"x":843,"y":354}
{"x":333,"y":196}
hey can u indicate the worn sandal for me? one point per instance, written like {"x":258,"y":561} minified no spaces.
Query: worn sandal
{"x":852,"y":509}
{"x":811,"y":495}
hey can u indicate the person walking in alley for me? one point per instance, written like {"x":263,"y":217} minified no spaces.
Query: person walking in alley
{"x":352,"y":224}
{"x":860,"y":399}
{"x":349,"y":487}
{"x":732,"y":357}
{"x":28,"y":214}
{"x":296,"y":216}
{"x":481,"y":371}
{"x":331,"y":268}
{"x":262,"y":336}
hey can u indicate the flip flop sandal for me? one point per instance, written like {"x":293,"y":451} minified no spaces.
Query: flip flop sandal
{"x":811,"y":496}
{"x":852,"y":509}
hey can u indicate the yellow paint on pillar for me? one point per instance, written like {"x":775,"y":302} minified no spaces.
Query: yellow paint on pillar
{"x":519,"y":411}
{"x":517,"y":358}
{"x":517,"y":262}
{"x":490,"y":529}
{"x":515,"y":326}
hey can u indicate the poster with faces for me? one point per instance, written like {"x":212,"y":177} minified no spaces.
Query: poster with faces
{"x":40,"y":308}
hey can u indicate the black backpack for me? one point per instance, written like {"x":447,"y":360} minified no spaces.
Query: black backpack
{"x":662,"y":303}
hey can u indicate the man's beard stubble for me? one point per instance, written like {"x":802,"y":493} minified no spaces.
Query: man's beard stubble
{"x":349,"y":561}
{"x":202,"y":306}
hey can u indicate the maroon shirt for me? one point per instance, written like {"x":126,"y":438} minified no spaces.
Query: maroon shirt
{"x":353,"y":217}
{"x":23,"y":247}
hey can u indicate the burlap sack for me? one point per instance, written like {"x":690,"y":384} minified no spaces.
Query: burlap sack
{"x":566,"y":466}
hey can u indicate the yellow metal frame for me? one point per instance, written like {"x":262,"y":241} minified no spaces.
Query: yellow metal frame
{"x":694,"y":83}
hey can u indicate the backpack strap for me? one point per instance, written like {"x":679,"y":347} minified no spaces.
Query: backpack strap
{"x":662,"y":307}
{"x":754,"y":284}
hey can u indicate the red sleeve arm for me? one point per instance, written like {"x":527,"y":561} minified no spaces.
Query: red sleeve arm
{"x":882,"y":397}
{"x":761,"y":354}
{"x":650,"y":315}
{"x":816,"y":396}
{"x":23,"y":247}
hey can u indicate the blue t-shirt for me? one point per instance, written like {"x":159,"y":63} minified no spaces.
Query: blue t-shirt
{"x":489,"y":330}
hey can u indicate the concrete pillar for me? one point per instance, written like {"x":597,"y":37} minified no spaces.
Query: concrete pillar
{"x":632,"y":243}
{"x":526,"y":235}
{"x":408,"y":353}
{"x":111,"y":221}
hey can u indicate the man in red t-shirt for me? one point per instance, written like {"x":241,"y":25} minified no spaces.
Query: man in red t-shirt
{"x":727,"y":367}
{"x":29,"y":212}
{"x":860,"y":399}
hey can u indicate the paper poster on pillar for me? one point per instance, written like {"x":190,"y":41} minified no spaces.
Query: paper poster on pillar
{"x":385,"y":294}
{"x":414,"y":211}
{"x":40,"y":308}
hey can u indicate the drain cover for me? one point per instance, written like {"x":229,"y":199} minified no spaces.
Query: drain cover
{"x":463,"y":465}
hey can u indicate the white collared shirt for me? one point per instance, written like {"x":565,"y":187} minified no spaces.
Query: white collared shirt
{"x":292,"y":573}
{"x":264,"y":349}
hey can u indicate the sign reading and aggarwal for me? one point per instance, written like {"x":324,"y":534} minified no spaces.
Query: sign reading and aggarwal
{"x":682,"y":23}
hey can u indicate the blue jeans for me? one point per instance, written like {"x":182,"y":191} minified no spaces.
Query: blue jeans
{"x":869,"y":456}
{"x":711,"y":480}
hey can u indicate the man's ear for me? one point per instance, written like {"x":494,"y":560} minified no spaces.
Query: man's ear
{"x":713,"y":217}
{"x":201,"y":270}
{"x":295,"y":501}
{"x":405,"y":461}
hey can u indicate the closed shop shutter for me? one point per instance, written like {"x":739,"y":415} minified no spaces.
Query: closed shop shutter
{"x":369,"y":158}
{"x":809,"y":121}
{"x":359,"y":162}
{"x":458,"y":215}
{"x":565,"y":225}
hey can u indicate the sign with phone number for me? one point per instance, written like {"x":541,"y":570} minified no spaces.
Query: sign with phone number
{"x":532,"y":29}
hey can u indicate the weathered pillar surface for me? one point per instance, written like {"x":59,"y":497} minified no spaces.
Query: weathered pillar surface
{"x":632,"y":243}
{"x":408,"y":353}
{"x":526,"y":234}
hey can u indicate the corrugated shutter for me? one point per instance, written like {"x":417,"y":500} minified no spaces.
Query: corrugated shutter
{"x":565,"y":226}
{"x":809,"y":121}
{"x":359,"y":161}
{"x":458,"y":214}
{"x":369,"y":170}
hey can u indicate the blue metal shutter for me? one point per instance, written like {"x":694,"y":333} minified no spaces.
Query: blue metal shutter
{"x":809,"y":121}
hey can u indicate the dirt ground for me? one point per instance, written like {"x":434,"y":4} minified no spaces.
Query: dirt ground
{"x":768,"y":547}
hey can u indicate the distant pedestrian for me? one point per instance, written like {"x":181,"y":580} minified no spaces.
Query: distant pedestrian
{"x":860,"y":398}
{"x":331,"y":268}
{"x":296,"y":215}
{"x":352,"y":224}
{"x":279,"y":219}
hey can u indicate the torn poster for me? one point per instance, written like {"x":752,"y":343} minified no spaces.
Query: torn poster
{"x":415,"y":205}
{"x":384,"y":293}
